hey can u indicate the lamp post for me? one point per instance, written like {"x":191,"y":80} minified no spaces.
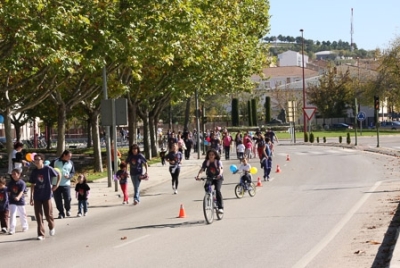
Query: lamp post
{"x":304,"y":84}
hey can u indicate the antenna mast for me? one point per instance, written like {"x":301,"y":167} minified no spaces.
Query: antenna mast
{"x":351,"y":30}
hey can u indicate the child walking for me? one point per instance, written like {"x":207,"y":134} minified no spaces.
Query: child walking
{"x":82,"y":190}
{"x":266,"y":161}
{"x":16,"y":188}
{"x":4,"y":212}
{"x":122,"y":175}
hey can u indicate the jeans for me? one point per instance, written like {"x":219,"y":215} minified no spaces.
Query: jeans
{"x":63,"y":192}
{"x":82,"y":204}
{"x":217,"y":186}
{"x":136,"y":185}
{"x":227,"y":152}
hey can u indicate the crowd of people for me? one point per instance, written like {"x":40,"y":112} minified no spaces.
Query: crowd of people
{"x":52,"y":179}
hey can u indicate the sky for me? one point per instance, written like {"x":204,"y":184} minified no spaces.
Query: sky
{"x":375,"y":23}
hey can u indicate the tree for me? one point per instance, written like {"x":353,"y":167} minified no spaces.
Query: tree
{"x":332,"y":95}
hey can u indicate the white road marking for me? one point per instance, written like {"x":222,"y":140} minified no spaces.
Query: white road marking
{"x":132,"y":241}
{"x":303,"y":262}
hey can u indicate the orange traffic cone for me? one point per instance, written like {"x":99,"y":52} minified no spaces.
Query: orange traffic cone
{"x":259,"y":184}
{"x":182,"y":213}
{"x":278,"y":169}
{"x":287,"y":158}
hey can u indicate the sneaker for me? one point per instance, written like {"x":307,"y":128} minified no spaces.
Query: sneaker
{"x":11,"y":233}
{"x":68,"y":214}
{"x":4,"y":230}
{"x":124,"y":203}
{"x":220,"y":210}
{"x":135,"y":202}
{"x":52,"y":232}
{"x":79,"y":215}
{"x":61,"y":216}
{"x":84,"y":214}
{"x":40,"y":237}
{"x":176,"y":191}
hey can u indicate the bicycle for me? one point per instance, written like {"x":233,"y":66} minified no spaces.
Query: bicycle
{"x":210,"y":201}
{"x":242,"y":187}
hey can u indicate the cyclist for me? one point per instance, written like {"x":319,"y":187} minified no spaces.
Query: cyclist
{"x":213,"y":167}
{"x":245,"y":168}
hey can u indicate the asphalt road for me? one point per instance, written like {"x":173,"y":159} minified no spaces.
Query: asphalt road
{"x":326,"y":208}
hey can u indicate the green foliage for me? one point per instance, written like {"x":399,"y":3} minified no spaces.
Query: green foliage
{"x":324,"y":139}
{"x":312,"y":137}
{"x":333,"y":95}
{"x":267,"y":109}
{"x":348,"y":139}
{"x":305,"y":137}
{"x":249,"y":115}
{"x":317,"y":139}
{"x":340,"y":139}
{"x":254,"y":112}
{"x":235,"y":112}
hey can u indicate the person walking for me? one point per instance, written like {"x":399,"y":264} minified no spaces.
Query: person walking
{"x":136,"y":163}
{"x":188,"y":143}
{"x":213,"y":167}
{"x":63,"y":192}
{"x":17,"y":158}
{"x":174,"y":158}
{"x":271,"y":135}
{"x":16,"y":188}
{"x":82,"y":190}
{"x":227,"y":142}
{"x":122,"y":176}
{"x":41,"y":192}
{"x":4,"y":205}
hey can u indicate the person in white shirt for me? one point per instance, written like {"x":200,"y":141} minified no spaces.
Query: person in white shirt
{"x":240,"y":148}
{"x":245,"y":169}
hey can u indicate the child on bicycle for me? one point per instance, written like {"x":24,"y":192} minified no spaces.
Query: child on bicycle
{"x":245,"y":168}
{"x":213,"y":167}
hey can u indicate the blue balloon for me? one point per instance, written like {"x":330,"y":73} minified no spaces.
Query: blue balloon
{"x":233,"y":168}
{"x":1,"y":119}
{"x":46,"y":163}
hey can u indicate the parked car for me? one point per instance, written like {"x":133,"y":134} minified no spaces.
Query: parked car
{"x":390,"y":125}
{"x":340,"y":126}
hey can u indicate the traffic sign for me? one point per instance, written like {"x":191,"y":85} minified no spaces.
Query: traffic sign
{"x":361,"y":116}
{"x":309,"y":111}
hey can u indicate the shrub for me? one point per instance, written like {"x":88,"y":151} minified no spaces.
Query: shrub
{"x":317,"y":139}
{"x":324,"y":138}
{"x":305,"y":137}
{"x":340,"y":139}
{"x":312,"y":137}
{"x":348,"y":140}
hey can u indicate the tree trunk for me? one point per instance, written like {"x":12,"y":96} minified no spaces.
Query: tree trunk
{"x":146,"y":144}
{"x":187,"y":115}
{"x":89,"y":132}
{"x":62,"y":116}
{"x":152,"y":133}
{"x":132,"y":122}
{"x":8,"y":133}
{"x":94,"y":126}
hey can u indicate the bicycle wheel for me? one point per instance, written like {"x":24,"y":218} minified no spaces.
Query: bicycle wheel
{"x":219,"y":215}
{"x":252,"y":189}
{"x":208,"y":208}
{"x":239,"y":191}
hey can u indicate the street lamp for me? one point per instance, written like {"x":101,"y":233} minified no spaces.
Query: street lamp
{"x":304,"y":84}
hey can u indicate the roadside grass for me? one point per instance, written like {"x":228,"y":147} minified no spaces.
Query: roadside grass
{"x":336,"y":134}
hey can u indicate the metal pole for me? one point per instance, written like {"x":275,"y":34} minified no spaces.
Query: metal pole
{"x":355,"y":120}
{"x":114,"y":131}
{"x":197,"y":123}
{"x":304,"y":83}
{"x":107,"y":138}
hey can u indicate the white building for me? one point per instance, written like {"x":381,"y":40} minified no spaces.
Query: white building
{"x":292,"y":58}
